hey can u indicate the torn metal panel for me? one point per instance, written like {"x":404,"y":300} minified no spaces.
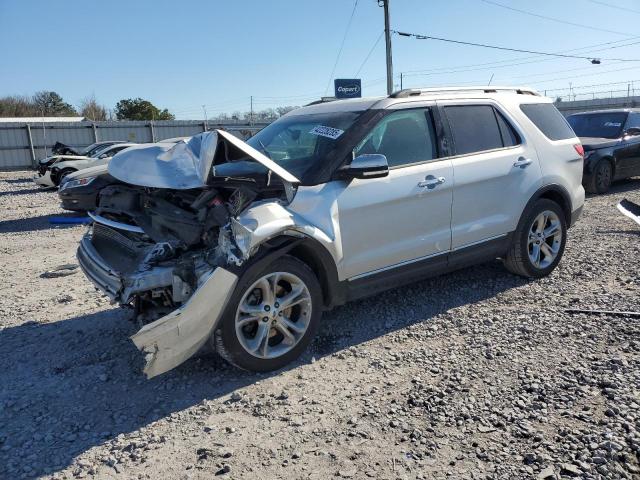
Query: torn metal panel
{"x":184,"y":165}
{"x":174,"y":338}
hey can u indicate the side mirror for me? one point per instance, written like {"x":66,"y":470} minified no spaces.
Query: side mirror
{"x":632,"y":132}
{"x":366,"y":166}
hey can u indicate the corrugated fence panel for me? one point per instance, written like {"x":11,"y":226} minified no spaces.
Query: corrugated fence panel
{"x":167,"y":131}
{"x":15,"y":148}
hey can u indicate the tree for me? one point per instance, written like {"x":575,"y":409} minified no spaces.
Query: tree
{"x":50,"y":104}
{"x":91,"y":109}
{"x":140,"y":109}
{"x":284,"y":110}
{"x":17,"y":106}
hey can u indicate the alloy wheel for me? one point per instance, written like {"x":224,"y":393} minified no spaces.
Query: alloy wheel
{"x":273,"y":315}
{"x":545,"y":239}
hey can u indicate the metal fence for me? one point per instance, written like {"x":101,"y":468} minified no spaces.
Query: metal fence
{"x":23,"y":144}
{"x":587,"y":105}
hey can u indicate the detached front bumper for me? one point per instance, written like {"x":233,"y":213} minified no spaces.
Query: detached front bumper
{"x":175,"y":337}
{"x":44,"y":180}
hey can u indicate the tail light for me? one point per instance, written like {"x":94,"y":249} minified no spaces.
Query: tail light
{"x":580,"y":149}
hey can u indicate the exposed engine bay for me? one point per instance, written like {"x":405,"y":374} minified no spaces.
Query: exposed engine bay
{"x":170,"y":252}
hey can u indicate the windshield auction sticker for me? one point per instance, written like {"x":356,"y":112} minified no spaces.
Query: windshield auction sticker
{"x":328,"y":132}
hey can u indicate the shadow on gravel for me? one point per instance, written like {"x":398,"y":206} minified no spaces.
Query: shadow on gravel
{"x":19,"y":180}
{"x":621,"y":186}
{"x":29,"y":191}
{"x":32,"y":224}
{"x":70,"y":385}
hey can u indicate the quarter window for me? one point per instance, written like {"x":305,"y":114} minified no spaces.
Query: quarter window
{"x":549,"y":120}
{"x":404,"y":137}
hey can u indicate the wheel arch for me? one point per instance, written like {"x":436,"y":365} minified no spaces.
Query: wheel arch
{"x":307,"y":250}
{"x":557,"y":194}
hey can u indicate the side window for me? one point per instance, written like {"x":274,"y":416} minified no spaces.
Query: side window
{"x":404,"y":137}
{"x":474,"y":128}
{"x":633,"y":121}
{"x":510,"y":137}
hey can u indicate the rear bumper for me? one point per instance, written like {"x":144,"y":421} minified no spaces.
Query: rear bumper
{"x":575,"y":215}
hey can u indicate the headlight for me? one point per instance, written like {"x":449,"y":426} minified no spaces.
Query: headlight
{"x":80,"y":182}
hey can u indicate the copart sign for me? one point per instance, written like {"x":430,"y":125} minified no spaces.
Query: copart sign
{"x":348,"y":87}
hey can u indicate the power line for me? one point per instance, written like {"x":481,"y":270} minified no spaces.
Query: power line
{"x":576,"y":87}
{"x":552,"y":19}
{"x":375,"y":44}
{"x":344,"y":37}
{"x":495,"y":47}
{"x":614,"y":6}
{"x":508,"y":63}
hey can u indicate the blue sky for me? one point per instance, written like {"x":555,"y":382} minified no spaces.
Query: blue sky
{"x":181,"y":55}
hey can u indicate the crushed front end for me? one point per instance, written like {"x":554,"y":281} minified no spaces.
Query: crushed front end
{"x":170,"y":252}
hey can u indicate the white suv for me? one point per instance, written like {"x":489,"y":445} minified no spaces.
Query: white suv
{"x":245,"y":244}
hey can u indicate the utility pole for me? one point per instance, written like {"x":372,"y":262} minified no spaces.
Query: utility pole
{"x":206,"y":125}
{"x":400,"y":80}
{"x":251,"y":112}
{"x":387,"y":37}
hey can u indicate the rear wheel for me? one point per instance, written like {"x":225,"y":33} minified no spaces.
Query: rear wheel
{"x":601,"y":179}
{"x":271,"y":317}
{"x":539,"y":240}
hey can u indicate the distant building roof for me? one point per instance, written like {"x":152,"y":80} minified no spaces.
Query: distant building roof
{"x":39,"y":119}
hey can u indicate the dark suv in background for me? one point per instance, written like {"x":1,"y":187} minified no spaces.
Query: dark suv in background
{"x":611,"y":141}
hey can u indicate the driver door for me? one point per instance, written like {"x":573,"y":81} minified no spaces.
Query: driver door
{"x":406,"y":216}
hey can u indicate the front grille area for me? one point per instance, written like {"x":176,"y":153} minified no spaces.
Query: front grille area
{"x":121,"y":251}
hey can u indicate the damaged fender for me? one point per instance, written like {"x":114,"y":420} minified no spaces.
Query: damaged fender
{"x":174,"y":338}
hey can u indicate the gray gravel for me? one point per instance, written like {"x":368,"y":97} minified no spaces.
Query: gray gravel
{"x":476,"y":374}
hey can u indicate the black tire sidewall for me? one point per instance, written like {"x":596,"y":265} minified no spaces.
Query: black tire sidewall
{"x":225,"y":333}
{"x":604,"y":163}
{"x":523,"y":235}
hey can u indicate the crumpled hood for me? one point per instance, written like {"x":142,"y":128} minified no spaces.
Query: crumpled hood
{"x":184,"y":165}
{"x":593,"y":143}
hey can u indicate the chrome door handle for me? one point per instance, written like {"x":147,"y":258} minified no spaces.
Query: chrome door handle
{"x":431,"y":182}
{"x":522,"y":162}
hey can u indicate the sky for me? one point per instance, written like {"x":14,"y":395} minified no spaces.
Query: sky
{"x":182,"y":55}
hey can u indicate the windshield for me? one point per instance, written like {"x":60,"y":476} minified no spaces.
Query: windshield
{"x":298,"y":142}
{"x":601,"y":125}
{"x":100,"y":149}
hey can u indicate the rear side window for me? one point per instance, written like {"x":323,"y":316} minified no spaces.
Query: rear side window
{"x":548,"y":120}
{"x":476,"y":128}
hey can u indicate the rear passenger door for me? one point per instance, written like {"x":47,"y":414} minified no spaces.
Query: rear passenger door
{"x":628,"y":156}
{"x":495,"y":169}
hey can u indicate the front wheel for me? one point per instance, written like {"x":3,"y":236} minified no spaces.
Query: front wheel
{"x":271,"y":317}
{"x":539,"y":240}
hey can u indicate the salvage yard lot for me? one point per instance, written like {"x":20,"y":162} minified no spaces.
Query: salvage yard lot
{"x":476,"y":374}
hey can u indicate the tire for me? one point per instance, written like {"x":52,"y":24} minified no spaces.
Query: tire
{"x":63,"y":174}
{"x":243,"y":325}
{"x":522,"y":252}
{"x":601,"y":178}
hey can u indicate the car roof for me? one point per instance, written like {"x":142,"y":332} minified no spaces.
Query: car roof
{"x":525,"y":95}
{"x":609,"y":110}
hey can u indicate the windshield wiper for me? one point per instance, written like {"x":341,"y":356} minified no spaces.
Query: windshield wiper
{"x":264,"y":149}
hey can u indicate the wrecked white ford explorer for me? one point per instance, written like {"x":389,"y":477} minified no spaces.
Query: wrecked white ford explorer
{"x":244,"y":244}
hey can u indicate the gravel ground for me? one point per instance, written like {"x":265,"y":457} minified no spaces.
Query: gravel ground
{"x":476,"y":374}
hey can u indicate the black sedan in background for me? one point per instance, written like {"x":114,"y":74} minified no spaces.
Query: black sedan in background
{"x":79,"y":191}
{"x":611,"y":141}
